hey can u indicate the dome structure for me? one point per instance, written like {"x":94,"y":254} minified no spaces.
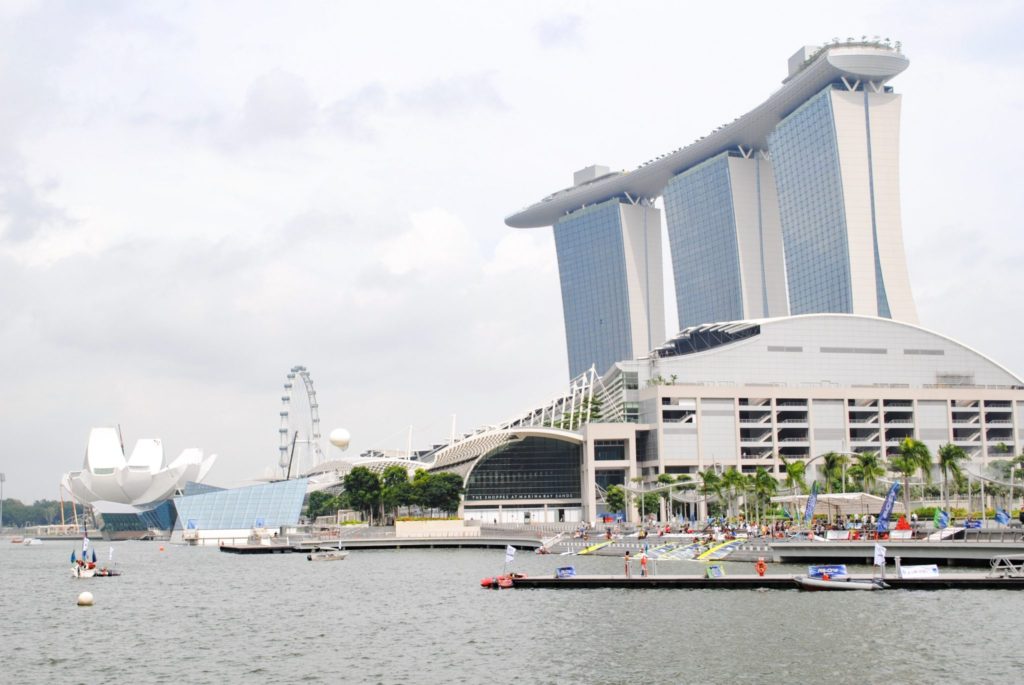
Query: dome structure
{"x":142,"y":478}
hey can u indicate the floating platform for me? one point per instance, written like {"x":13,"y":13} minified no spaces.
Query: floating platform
{"x":951,"y":581}
{"x":260,"y":549}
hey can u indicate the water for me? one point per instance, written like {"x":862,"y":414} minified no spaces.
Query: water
{"x":419,"y":616}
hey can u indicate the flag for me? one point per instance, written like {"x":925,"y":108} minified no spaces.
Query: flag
{"x":941,"y":519}
{"x":85,"y":544}
{"x":786,"y":514}
{"x":110,"y":557}
{"x":510,"y":553}
{"x":811,"y":501}
{"x":879,"y":555}
{"x":94,"y":555}
{"x":883,"y":516}
{"x":72,"y":556}
{"x":1002,"y":518}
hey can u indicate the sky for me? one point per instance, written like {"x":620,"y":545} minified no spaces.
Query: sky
{"x":197,"y":196}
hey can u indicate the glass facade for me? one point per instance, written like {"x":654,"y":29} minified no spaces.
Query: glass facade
{"x":702,"y":237}
{"x":160,"y":517}
{"x":533,"y":468}
{"x":609,"y":450}
{"x":259,"y":506}
{"x":595,"y":299}
{"x":805,"y":159}
{"x":604,"y":478}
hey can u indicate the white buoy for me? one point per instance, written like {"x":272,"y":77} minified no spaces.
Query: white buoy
{"x":85,"y":599}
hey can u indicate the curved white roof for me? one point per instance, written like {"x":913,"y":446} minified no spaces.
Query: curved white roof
{"x":818,"y":349}
{"x":873,"y":61}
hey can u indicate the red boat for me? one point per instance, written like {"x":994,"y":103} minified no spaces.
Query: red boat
{"x":502,"y":581}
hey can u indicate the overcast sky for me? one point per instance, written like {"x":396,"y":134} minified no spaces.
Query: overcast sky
{"x":195,"y":197}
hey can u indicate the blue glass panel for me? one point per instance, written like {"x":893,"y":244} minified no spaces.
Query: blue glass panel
{"x":805,"y":159}
{"x":595,"y":299}
{"x":702,"y":237}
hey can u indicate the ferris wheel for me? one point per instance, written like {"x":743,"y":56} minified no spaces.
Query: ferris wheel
{"x":300,"y":424}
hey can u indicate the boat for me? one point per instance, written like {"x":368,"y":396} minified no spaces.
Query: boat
{"x":840,"y":583}
{"x":503,"y":582}
{"x":32,"y":541}
{"x":327,"y":555}
{"x":17,"y":540}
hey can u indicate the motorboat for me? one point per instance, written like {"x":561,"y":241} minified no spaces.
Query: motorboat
{"x":840,"y":583}
{"x":327,"y":555}
{"x":32,"y":541}
{"x":502,"y":582}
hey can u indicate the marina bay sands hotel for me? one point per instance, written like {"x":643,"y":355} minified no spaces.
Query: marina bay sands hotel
{"x":792,"y":208}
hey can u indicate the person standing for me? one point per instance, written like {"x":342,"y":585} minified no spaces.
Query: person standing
{"x":643,"y":564}
{"x":627,"y":564}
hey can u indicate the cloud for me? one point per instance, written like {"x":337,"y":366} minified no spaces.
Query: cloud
{"x":562,"y":31}
{"x":437,"y":243}
{"x":25,"y":212}
{"x":456,"y":95}
{"x":278,"y":105}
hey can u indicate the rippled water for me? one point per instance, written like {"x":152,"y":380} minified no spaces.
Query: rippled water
{"x":201,"y":616}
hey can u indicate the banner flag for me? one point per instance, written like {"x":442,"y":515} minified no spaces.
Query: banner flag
{"x":72,"y":556}
{"x":941,"y":519}
{"x":879,"y":555}
{"x":890,"y":500}
{"x":811,"y":501}
{"x":85,"y":545}
{"x":94,"y":555}
{"x":1002,"y":517}
{"x":510,"y":554}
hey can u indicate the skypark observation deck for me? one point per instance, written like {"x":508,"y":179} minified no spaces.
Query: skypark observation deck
{"x":855,"y":64}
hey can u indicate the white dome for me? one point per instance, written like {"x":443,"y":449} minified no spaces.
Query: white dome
{"x":340,"y":438}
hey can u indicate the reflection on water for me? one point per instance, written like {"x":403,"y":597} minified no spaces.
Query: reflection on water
{"x":200,"y":616}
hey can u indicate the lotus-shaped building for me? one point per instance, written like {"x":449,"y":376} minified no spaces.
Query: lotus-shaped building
{"x":142,"y":478}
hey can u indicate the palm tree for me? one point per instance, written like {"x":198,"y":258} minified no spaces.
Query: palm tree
{"x":912,"y":457}
{"x":833,"y":468}
{"x":871,"y":469}
{"x":950,"y":457}
{"x":765,"y":487}
{"x":711,"y":484}
{"x":732,"y":481}
{"x":796,"y":474}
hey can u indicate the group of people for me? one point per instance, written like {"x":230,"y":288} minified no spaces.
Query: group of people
{"x":643,"y":564}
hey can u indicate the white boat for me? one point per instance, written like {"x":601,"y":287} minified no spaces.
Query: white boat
{"x":327,"y":555}
{"x":79,"y":570}
{"x":32,"y":541}
{"x":840,"y":583}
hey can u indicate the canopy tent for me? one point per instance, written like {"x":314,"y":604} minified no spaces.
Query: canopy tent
{"x":846,"y":503}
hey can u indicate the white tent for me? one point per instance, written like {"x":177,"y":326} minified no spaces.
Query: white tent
{"x":847,"y":504}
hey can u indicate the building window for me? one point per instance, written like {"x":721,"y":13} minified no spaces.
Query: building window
{"x":609,"y":450}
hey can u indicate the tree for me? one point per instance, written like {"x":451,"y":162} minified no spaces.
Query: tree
{"x":912,"y":457}
{"x":732,"y":483}
{"x":765,"y":487}
{"x":711,"y":484}
{"x":870,"y":469}
{"x":832,"y":468}
{"x":649,"y":501}
{"x":396,"y":490}
{"x":950,"y":457}
{"x":441,"y":491}
{"x":362,"y":490}
{"x":666,"y":479}
{"x":614,"y":499}
{"x":321,"y":503}
{"x":796,"y":474}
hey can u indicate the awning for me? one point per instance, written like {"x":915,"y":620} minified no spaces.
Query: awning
{"x":846,"y":503}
